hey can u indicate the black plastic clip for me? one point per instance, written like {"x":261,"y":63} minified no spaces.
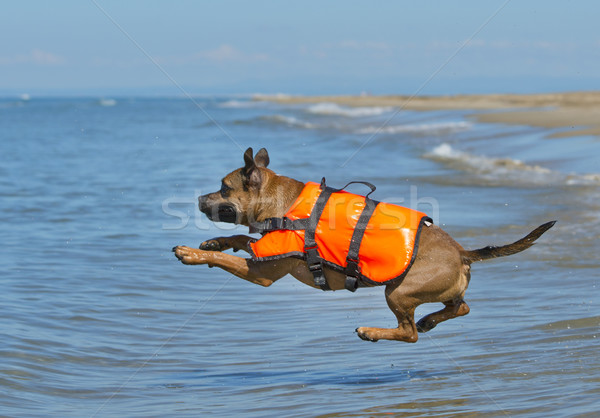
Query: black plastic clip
{"x":316,"y":268}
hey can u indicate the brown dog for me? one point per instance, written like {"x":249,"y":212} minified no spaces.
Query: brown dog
{"x":440,"y":271}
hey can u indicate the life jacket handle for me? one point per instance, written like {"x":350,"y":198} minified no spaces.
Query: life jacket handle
{"x":366,"y":183}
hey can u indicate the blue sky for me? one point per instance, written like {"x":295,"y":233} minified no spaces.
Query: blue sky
{"x":73,"y":47}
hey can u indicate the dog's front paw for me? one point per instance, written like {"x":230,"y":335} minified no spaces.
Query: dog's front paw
{"x":188,"y":255}
{"x":211,"y":245}
{"x":364,"y":334}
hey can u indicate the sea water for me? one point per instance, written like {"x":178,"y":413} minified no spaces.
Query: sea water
{"x":98,"y":318}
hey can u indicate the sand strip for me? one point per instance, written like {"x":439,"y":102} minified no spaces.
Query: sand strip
{"x":572,"y":113}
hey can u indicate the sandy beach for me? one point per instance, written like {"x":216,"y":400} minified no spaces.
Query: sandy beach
{"x":570,"y":113}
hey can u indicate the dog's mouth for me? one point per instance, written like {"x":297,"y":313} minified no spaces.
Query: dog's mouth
{"x":223,"y":213}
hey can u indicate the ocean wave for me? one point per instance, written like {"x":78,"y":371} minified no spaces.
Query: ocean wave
{"x":506,"y":170}
{"x":583,"y":179}
{"x":289,"y":121}
{"x":428,"y":128}
{"x":236,"y":104}
{"x":242,"y":104}
{"x":107,"y":102}
{"x":332,"y":109}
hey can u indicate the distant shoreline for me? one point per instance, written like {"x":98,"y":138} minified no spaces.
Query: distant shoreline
{"x":575,"y":113}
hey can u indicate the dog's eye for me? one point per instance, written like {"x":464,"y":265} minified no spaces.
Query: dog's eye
{"x":224,"y":190}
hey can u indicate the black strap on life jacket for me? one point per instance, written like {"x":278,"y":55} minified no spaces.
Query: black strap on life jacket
{"x":309,"y":225}
{"x":278,"y":224}
{"x":352,"y":268}
{"x":314,"y":261}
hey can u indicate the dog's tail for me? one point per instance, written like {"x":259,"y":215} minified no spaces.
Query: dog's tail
{"x":516,"y":247}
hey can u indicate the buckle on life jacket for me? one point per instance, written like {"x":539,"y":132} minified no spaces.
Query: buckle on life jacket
{"x":268,"y":225}
{"x":274,"y":224}
{"x":316,"y":267}
{"x":352,"y":272}
{"x":278,"y":224}
{"x":352,"y":268}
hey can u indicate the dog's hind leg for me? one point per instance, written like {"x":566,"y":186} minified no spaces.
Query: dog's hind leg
{"x":453,"y":309}
{"x":404,"y":309}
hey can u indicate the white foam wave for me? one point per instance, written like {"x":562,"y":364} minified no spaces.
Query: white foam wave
{"x":482,"y":164}
{"x":290,"y":121}
{"x":583,"y":179}
{"x":332,"y":109}
{"x":428,"y":128}
{"x":503,"y":170}
{"x":241,"y":104}
{"x":107,"y":102}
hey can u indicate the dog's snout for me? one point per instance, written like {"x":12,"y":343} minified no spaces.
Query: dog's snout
{"x":202,"y":202}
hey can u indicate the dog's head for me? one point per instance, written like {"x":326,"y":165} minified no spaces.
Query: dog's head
{"x":239,"y":199}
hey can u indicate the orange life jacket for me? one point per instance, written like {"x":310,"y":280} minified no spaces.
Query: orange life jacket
{"x":373,"y":243}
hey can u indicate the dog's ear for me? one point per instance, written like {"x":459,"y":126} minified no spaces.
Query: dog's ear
{"x":262,"y":158}
{"x":249,"y":160}
{"x":251,"y":176}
